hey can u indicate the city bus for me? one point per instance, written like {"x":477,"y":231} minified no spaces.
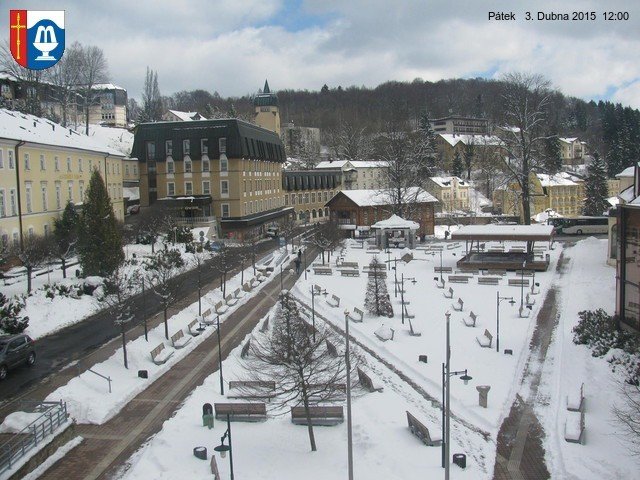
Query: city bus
{"x":579,"y":225}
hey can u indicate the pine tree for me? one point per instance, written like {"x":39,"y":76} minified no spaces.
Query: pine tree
{"x":596,"y":189}
{"x":552,"y":154}
{"x":469,"y":152}
{"x":377,"y":301}
{"x":100,"y":243}
{"x":65,"y":234}
{"x":427,"y":148}
{"x":457,"y":168}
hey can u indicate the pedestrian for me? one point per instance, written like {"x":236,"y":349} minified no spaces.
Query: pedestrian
{"x":299,"y":254}
{"x":298,"y":262}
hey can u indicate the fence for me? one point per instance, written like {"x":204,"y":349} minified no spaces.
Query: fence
{"x":54,"y":414}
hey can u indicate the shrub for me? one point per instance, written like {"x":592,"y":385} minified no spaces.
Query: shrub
{"x":10,"y":319}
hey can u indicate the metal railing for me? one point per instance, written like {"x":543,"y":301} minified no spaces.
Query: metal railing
{"x":54,"y":414}
{"x":190,"y":221}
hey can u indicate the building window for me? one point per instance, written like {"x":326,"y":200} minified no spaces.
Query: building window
{"x":206,"y":188}
{"x":188,"y":188}
{"x":151,"y":150}
{"x":81,"y":187}
{"x":293,"y":199}
{"x":58,"y":198}
{"x":171,"y":189}
{"x":12,"y":164}
{"x":168,"y":146}
{"x":28,"y":197}
{"x":286,"y":200}
{"x":16,"y":239}
{"x":244,"y":208}
{"x":187,"y":166}
{"x":14,"y":204}
{"x":224,"y":187}
{"x":222,"y":145}
{"x":135,"y":170}
{"x":313,"y":197}
{"x":1,"y":158}
{"x":306,"y":198}
{"x":46,"y":230}
{"x":42,"y":164}
{"x":204,"y":146}
{"x":56,"y":163}
{"x":3,"y":211}
{"x":224,"y":210}
{"x":224,"y":164}
{"x":90,"y":165}
{"x":43,"y":190}
{"x":206,"y":165}
{"x":27,"y":162}
{"x":70,"y":190}
{"x":68,"y":164}
{"x":79,"y":164}
{"x":186,"y":147}
{"x":126,"y":170}
{"x":171,"y":167}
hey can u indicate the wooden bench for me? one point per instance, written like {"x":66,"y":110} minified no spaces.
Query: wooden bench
{"x":448,"y":293}
{"x":407,"y":313}
{"x":367,"y":382}
{"x":458,"y":279}
{"x":523,"y":311}
{"x":377,"y":273}
{"x":518,"y":282}
{"x":488,"y":280}
{"x":357,"y":315}
{"x":191,"y":326}
{"x":439,"y":284}
{"x":412,"y":332}
{"x":160,"y":355}
{"x":468,"y":270}
{"x":530,"y":301}
{"x":349,"y":264}
{"x":322,"y":271}
{"x":246,"y":286}
{"x":207,"y":318}
{"x":350,"y":273}
{"x":451,"y":246}
{"x":230,"y":300}
{"x":443,"y":269}
{"x":319,"y":415}
{"x":254,"y":282}
{"x":485,"y":340}
{"x":458,"y":306}
{"x":574,"y":427}
{"x":471,"y":321}
{"x":575,"y":400}
{"x":333,"y":301}
{"x":178,"y":340}
{"x":238,"y":293}
{"x":221,"y":308}
{"x":241,"y":412}
{"x":245,"y":349}
{"x":419,"y":430}
{"x":261,"y":278}
{"x":252,"y":390}
{"x":492,"y":271}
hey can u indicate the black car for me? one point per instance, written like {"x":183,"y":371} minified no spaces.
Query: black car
{"x":14,"y":351}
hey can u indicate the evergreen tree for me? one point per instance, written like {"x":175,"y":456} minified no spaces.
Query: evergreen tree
{"x":469,"y":151}
{"x":377,"y":301}
{"x":426,"y":148}
{"x":100,"y":243}
{"x":552,"y":154}
{"x":65,"y":234}
{"x":595,"y":188}
{"x":457,"y":168}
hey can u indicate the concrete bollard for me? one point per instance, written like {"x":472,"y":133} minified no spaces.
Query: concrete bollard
{"x":483,"y":394}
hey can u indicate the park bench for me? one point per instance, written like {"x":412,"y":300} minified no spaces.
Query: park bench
{"x":518,"y":282}
{"x":319,"y":415}
{"x":317,"y":289}
{"x":253,"y":283}
{"x":525,"y":273}
{"x":350,"y":273}
{"x":367,"y":382}
{"x":493,"y":271}
{"x":333,"y":301}
{"x":194,"y":331}
{"x":260,"y":277}
{"x":331,"y":348}
{"x":377,"y":273}
{"x":443,"y":269}
{"x":574,"y":427}
{"x":178,"y":340}
{"x":469,"y":270}
{"x":485,"y":340}
{"x":207,"y":317}
{"x":575,"y":400}
{"x":523,"y":311}
{"x":452,"y":246}
{"x":241,"y":412}
{"x":322,"y":270}
{"x":496,"y":249}
{"x":448,"y":293}
{"x":530,"y":301}
{"x":357,"y":315}
{"x":488,"y":280}
{"x":246,"y":286}
{"x":458,"y":279}
{"x":440,"y":283}
{"x":221,"y":308}
{"x":238,"y":293}
{"x":245,"y":349}
{"x":382,"y":334}
{"x":407,"y":314}
{"x":350,"y":264}
{"x":230,"y":300}
{"x":412,"y":332}
{"x":516,"y":250}
{"x":265,"y":325}
{"x":160,"y":355}
{"x":471,"y":321}
{"x":458,"y":306}
{"x":251,"y":390}
{"x":419,"y":430}
{"x":437,"y":247}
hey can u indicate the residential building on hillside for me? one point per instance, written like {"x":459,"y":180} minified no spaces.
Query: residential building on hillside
{"x":267,"y":114}
{"x":484,"y":147}
{"x":625,"y":194}
{"x":452,"y":193}
{"x":357,"y":210}
{"x":213,"y":172}
{"x":572,"y":151}
{"x":308,"y":191}
{"x":178,"y":116}
{"x":43,"y":166}
{"x":459,"y":125}
{"x":359,"y":174}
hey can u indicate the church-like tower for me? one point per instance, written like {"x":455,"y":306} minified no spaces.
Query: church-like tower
{"x":267,"y":113}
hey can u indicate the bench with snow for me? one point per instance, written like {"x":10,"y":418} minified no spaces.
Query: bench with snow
{"x":435,"y":247}
{"x":458,"y":306}
{"x":221,"y":308}
{"x":458,"y":279}
{"x":245,"y":349}
{"x":407,"y":313}
{"x":530,"y":301}
{"x":265,"y":325}
{"x":253,"y":283}
{"x":251,"y":390}
{"x":322,"y":270}
{"x":160,"y":355}
{"x":412,"y":332}
{"x":469,"y":270}
{"x":333,"y":301}
{"x":367,"y":382}
{"x":488,"y":280}
{"x":485,"y":340}
{"x":246,"y":286}
{"x":377,"y":273}
{"x":261,"y":278}
{"x":194,"y":331}
{"x":350,"y":272}
{"x":516,"y":250}
{"x":575,"y":400}
{"x":448,"y":293}
{"x":443,"y":269}
{"x":326,"y":416}
{"x":439,"y":283}
{"x":230,"y":300}
{"x":357,"y":315}
{"x":518,"y":282}
{"x":207,"y":317}
{"x":238,"y":293}
{"x":471,"y":321}
{"x":241,"y":412}
{"x":178,"y":340}
{"x":384,"y":333}
{"x":451,"y":246}
{"x":523,"y":311}
{"x":495,"y":272}
{"x":349,"y":265}
{"x":574,"y":427}
{"x":419,"y":430}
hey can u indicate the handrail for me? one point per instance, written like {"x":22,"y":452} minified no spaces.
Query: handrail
{"x":108,"y":379}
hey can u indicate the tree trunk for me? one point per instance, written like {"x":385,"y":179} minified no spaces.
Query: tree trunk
{"x":312,"y":437}
{"x":64,"y":268}
{"x":29,"y":272}
{"x":166,"y":325}
{"x":526,"y":206}
{"x":124,"y":346}
{"x":242,"y":271}
{"x":224,"y":284}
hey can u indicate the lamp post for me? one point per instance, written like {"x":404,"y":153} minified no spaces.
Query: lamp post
{"x":313,"y":307}
{"x":222,"y":449}
{"x":388,"y":252}
{"x":305,"y":263}
{"x":348,"y":367}
{"x":446,"y":399}
{"x":281,"y":287}
{"x":498,"y":300}
{"x":522,"y":285}
{"x":220,"y":356}
{"x":395,"y":278}
{"x":402,"y":293}
{"x":144,"y":313}
{"x":433,"y":254}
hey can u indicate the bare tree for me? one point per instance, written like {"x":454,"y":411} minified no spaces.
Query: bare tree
{"x":65,"y":76}
{"x":94,"y":70}
{"x":163,"y":271}
{"x":152,"y":105}
{"x":526,"y":100}
{"x":153,"y":222}
{"x":118,"y":287}
{"x":304,"y":371}
{"x":288,"y":229}
{"x":348,"y":142}
{"x":326,"y":237}
{"x":223,"y":263}
{"x":35,"y":252}
{"x":627,"y":414}
{"x":30,"y":81}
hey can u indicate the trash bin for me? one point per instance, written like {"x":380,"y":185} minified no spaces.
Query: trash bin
{"x":460,"y":459}
{"x":143,"y":374}
{"x":200,"y":452}
{"x":423,"y":358}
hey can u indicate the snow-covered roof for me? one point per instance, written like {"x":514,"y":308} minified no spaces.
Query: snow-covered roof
{"x":29,"y":128}
{"x":446,"y":181}
{"x":556,"y":180}
{"x":333,"y":164}
{"x":503,"y":232}
{"x":132,"y":193}
{"x":627,"y":194}
{"x":454,"y":139}
{"x":626,"y":173}
{"x":369,"y":198}
{"x":613,"y":201}
{"x":119,"y":139}
{"x":355,"y":163}
{"x":185,"y":116}
{"x":394,"y":221}
{"x":108,"y":86}
{"x":568,"y":139}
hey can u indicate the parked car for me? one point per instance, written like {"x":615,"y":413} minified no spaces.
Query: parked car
{"x":133,"y":209}
{"x":14,"y":351}
{"x":272,"y":232}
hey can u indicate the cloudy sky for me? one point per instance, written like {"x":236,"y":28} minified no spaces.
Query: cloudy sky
{"x":231,"y":46}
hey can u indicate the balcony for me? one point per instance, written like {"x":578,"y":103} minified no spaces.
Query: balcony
{"x":196,"y":221}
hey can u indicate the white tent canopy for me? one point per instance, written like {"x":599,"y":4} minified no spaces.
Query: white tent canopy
{"x":394,"y":221}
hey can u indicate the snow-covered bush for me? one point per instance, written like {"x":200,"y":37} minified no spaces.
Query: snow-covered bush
{"x":10,"y":319}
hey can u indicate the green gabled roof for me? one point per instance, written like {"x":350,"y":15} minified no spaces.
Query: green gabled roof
{"x":266,"y":98}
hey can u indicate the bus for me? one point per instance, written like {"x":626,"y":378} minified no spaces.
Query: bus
{"x":580,"y":225}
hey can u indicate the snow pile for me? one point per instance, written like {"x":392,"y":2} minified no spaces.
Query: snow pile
{"x":542,"y":217}
{"x":17,"y":421}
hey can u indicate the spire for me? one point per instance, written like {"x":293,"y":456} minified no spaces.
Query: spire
{"x":266,"y":87}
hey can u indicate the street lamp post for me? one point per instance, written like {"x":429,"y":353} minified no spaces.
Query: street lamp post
{"x":498,"y":300}
{"x":433,"y":254}
{"x":144,"y":313}
{"x":522,"y":285}
{"x":305,"y":263}
{"x":281,"y":287}
{"x":223,"y":449}
{"x":313,"y":308}
{"x":402,"y":293}
{"x":220,"y":356}
{"x":348,"y":367}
